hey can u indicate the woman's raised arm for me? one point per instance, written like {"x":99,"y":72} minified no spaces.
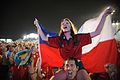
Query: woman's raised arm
{"x":42,"y":35}
{"x":108,"y":11}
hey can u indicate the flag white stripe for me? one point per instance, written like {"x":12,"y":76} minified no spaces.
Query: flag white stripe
{"x":91,"y":25}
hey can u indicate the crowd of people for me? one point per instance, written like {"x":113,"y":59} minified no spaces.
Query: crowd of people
{"x":7,"y":60}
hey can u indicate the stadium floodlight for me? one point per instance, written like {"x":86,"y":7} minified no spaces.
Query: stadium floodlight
{"x":30,"y":36}
{"x":24,"y":37}
{"x":113,"y":24}
{"x":9,"y":40}
{"x":33,"y":35}
{"x":117,"y":23}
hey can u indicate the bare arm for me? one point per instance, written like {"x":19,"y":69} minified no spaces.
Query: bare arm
{"x":83,"y":75}
{"x":101,"y":23}
{"x":42,"y":35}
{"x":39,"y":69}
{"x":60,"y":75}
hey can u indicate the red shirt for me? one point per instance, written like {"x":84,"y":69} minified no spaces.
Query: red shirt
{"x":68,"y":49}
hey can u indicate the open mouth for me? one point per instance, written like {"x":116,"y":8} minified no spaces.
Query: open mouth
{"x":69,"y":75}
{"x":64,"y":27}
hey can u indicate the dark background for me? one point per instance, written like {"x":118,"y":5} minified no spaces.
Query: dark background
{"x":17,"y":16}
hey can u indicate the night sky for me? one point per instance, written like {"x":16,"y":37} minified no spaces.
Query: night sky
{"x":18,"y":15}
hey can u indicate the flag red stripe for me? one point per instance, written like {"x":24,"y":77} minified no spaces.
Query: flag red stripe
{"x":50,"y":56}
{"x":104,"y":52}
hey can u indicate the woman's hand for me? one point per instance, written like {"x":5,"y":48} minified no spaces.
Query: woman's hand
{"x":36,"y":23}
{"x":108,"y":11}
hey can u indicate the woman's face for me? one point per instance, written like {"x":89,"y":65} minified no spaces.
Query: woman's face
{"x":65,"y":26}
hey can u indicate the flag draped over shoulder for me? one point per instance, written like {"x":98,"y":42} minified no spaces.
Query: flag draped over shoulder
{"x":103,"y":49}
{"x":49,"y":56}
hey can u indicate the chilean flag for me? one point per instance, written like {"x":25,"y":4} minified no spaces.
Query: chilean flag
{"x":103,"y":48}
{"x":49,"y":56}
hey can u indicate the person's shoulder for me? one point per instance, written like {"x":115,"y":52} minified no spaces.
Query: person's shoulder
{"x":60,"y":75}
{"x":83,"y":74}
